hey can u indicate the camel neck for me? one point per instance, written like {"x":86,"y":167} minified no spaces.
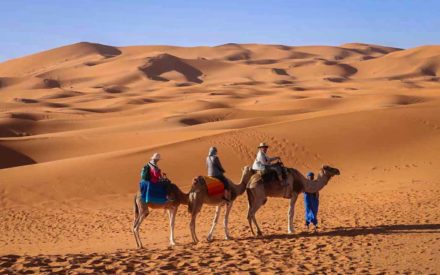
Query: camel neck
{"x":322,"y":180}
{"x":241,"y":186}
{"x":182,"y":197}
{"x":313,"y":186}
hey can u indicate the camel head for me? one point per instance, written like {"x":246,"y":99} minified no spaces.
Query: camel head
{"x":198,"y":184}
{"x":330,"y":171}
{"x":198,"y":181}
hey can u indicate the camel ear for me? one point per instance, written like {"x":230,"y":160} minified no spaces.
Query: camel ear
{"x":324,"y":166}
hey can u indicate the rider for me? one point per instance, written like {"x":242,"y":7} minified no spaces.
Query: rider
{"x":215,"y":170}
{"x":263,"y":162}
{"x":152,"y":173}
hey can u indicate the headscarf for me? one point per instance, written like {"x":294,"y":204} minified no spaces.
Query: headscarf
{"x":155,"y":156}
{"x":212,"y":151}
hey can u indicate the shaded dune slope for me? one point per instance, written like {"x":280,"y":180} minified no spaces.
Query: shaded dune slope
{"x":158,"y":65}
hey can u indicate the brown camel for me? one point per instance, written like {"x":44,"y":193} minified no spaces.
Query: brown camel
{"x":141,"y":211}
{"x":257,"y":191}
{"x":199,"y":196}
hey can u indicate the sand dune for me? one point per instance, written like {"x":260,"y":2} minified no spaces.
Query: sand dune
{"x":78,"y":122}
{"x":416,"y":62}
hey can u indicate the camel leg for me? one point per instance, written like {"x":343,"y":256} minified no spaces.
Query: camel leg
{"x":136,"y":218}
{"x":250,"y":207}
{"x":137,"y":210}
{"x":259,"y":198}
{"x":253,"y":208}
{"x":192,"y":226}
{"x":254,"y":203}
{"x":291,"y":212}
{"x":226,"y":221}
{"x":214,"y":222}
{"x":172,"y":217}
{"x":143,"y":213}
{"x":136,"y":214}
{"x":254,"y":219}
{"x":250,"y":223}
{"x":196,"y":207}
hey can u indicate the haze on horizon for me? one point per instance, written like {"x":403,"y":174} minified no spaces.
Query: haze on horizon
{"x":28,"y":27}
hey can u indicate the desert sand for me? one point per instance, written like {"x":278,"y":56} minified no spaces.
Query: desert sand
{"x":77,"y":123}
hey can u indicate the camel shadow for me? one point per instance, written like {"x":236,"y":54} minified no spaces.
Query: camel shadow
{"x":360,"y":231}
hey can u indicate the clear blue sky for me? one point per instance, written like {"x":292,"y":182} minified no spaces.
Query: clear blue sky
{"x":34,"y":25}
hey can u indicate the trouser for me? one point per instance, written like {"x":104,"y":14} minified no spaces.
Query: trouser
{"x":311,"y":205}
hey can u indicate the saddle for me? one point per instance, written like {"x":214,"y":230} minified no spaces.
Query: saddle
{"x":214,"y":186}
{"x":272,"y":175}
{"x":269,"y":176}
{"x":153,"y":192}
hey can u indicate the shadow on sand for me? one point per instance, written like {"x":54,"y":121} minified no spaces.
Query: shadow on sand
{"x":359,"y":231}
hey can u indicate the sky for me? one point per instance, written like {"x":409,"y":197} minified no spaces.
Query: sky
{"x":32,"y":26}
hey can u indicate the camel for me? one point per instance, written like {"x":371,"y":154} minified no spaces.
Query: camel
{"x":257,"y":191}
{"x":141,"y":211}
{"x":199,"y":196}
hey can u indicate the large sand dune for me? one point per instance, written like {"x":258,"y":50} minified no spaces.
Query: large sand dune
{"x":77,"y":123}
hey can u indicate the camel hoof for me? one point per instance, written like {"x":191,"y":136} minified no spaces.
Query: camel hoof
{"x":209,"y":239}
{"x":289,"y":231}
{"x":259,"y":234}
{"x":229,"y":238}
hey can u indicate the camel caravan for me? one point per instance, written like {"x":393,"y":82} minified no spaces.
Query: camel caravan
{"x":266,"y":177}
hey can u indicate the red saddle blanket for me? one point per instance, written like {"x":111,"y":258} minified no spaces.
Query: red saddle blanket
{"x":214,"y":186}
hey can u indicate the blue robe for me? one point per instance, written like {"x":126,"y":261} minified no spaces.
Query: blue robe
{"x":153,"y":192}
{"x":311,"y":204}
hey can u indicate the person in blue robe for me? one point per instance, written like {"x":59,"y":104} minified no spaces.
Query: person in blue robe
{"x":311,"y":205}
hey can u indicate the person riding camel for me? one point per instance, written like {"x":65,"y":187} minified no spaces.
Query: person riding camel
{"x":152,"y":173}
{"x":215,"y":170}
{"x":263,"y":163}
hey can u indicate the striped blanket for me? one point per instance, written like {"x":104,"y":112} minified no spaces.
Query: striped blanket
{"x":153,"y":192}
{"x":215,"y":186}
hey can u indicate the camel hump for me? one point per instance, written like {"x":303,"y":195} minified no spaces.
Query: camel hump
{"x":297,"y":184}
